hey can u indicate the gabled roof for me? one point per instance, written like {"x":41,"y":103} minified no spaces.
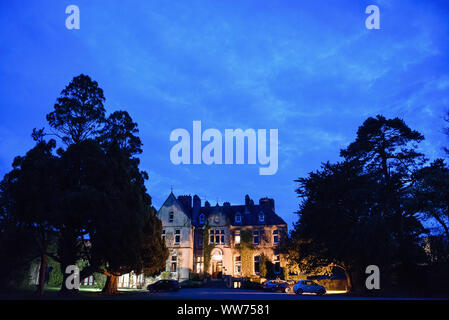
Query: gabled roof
{"x":249,"y":215}
{"x":249,"y":212}
{"x":172,"y":199}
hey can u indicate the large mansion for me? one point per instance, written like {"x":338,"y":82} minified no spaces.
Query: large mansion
{"x":185,"y":223}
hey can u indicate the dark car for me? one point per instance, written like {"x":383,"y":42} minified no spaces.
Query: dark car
{"x":278,"y":285}
{"x":164,"y":285}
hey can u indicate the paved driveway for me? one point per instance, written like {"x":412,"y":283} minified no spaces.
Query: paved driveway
{"x":231,"y":294}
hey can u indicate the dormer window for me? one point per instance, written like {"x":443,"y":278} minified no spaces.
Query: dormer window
{"x":202,"y":218}
{"x":238,"y":218}
{"x":261,"y":217}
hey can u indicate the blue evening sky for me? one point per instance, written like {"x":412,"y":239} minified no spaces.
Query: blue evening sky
{"x":308,"y":68}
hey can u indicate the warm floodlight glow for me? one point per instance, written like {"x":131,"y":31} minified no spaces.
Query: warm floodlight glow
{"x":336,"y":291}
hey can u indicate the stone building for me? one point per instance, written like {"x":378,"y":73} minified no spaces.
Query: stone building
{"x":186,"y":223}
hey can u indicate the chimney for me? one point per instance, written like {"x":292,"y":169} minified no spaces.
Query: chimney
{"x":267,"y":202}
{"x":186,"y":201}
{"x":196,"y":208}
{"x":247,"y":200}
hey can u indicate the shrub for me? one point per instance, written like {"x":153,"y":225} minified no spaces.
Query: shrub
{"x":165,"y":275}
{"x":100,"y":280}
{"x":55,"y":279}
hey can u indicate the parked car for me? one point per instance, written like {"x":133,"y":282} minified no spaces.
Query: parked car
{"x":309,"y":286}
{"x":164,"y":285}
{"x":278,"y":285}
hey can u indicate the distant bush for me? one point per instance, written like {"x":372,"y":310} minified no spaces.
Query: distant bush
{"x":166,"y":275}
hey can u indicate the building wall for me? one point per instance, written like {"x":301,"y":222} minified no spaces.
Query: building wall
{"x":266,"y":247}
{"x":183,"y":249}
{"x":190,"y":246}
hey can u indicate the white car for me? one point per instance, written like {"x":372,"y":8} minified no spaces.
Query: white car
{"x":309,"y":287}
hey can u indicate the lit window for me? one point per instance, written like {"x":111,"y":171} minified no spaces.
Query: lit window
{"x":199,"y":264}
{"x":238,"y":265}
{"x":256,"y":264}
{"x":177,"y":236}
{"x":202,"y":219}
{"x":217,"y":219}
{"x":261,"y":217}
{"x":255,"y":237}
{"x":174,"y":262}
{"x":275,"y":236}
{"x":170,"y":217}
{"x":237,"y":237}
{"x":89,"y":281}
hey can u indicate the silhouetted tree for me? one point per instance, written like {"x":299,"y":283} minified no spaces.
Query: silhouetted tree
{"x":446,"y":131}
{"x":85,"y":184}
{"x":130,"y":238}
{"x":431,"y":193}
{"x":387,"y":149}
{"x":359,"y":212}
{"x":79,"y":112}
{"x":339,"y":222}
{"x":28,"y":195}
{"x":91,"y":194}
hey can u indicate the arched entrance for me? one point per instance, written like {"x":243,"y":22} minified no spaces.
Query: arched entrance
{"x":217,"y":263}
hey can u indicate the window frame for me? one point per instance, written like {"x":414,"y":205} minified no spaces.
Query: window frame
{"x":211,"y":236}
{"x":277,"y":264}
{"x":238,"y":218}
{"x":256,"y":263}
{"x":237,"y":236}
{"x":177,"y":239}
{"x":174,"y":264}
{"x":276,"y":238}
{"x":238,"y":263}
{"x":256,"y":235}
